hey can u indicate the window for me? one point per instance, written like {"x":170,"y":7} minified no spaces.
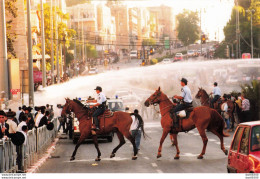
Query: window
{"x":244,"y":141}
{"x":255,"y":138}
{"x":236,"y":139}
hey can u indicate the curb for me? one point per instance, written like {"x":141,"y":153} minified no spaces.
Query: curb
{"x":43,"y":159}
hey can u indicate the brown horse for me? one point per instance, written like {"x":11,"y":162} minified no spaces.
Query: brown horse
{"x":201,"y":117}
{"x":205,"y":101}
{"x":120,"y":122}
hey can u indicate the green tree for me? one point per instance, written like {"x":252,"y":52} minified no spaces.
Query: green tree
{"x":252,"y":93}
{"x":188,"y":28}
{"x":64,"y":33}
{"x":11,"y":11}
{"x":149,"y":42}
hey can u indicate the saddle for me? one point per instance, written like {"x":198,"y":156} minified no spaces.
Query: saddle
{"x":106,"y":114}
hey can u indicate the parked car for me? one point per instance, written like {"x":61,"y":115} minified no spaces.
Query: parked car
{"x":115,"y":104}
{"x":133,"y":54}
{"x":244,"y":152}
{"x":190,"y":53}
{"x":166,"y":61}
{"x":178,"y":57}
{"x":93,"y":71}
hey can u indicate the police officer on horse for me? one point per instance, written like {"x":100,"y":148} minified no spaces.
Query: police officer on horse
{"x":217,"y":93}
{"x":101,"y":106}
{"x":185,"y":98}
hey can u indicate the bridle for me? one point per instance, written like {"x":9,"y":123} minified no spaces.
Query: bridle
{"x":69,"y":110}
{"x":199,"y":95}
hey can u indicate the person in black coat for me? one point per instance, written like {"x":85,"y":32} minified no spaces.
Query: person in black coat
{"x":44,"y":119}
{"x":4,"y":127}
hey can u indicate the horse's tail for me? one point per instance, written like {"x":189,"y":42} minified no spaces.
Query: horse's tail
{"x":141,"y":124}
{"x":219,"y":120}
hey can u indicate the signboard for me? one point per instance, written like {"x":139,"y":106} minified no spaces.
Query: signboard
{"x":246,"y":56}
{"x":37,"y":76}
{"x":15,"y":91}
{"x":166,"y":42}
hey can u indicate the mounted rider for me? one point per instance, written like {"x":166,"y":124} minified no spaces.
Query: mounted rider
{"x":101,"y":106}
{"x":185,"y":97}
{"x":217,"y":94}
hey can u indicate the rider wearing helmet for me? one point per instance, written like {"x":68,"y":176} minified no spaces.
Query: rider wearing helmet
{"x":216,"y":92}
{"x":187,"y":100}
{"x":101,"y":106}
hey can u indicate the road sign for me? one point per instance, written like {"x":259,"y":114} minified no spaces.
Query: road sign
{"x":166,"y":42}
{"x":15,"y":91}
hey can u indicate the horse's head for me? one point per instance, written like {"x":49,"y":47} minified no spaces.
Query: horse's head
{"x":199,"y":94}
{"x":155,"y":98}
{"x":67,"y":107}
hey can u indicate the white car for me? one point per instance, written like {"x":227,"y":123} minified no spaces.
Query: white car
{"x":191,"y":53}
{"x":93,"y":71}
{"x":133,"y":54}
{"x":166,"y":61}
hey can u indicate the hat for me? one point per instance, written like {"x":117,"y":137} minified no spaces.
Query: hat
{"x":98,"y":88}
{"x":10,"y":114}
{"x":215,"y":83}
{"x":2,"y":113}
{"x":17,"y":138}
{"x":50,"y":126}
{"x":184,"y":80}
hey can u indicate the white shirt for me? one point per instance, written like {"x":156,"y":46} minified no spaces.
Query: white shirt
{"x":18,"y":114}
{"x":135,"y":123}
{"x":19,"y":128}
{"x":38,"y":119}
{"x":101,"y":98}
{"x":25,"y":137}
{"x":186,"y":94}
{"x":12,"y":126}
{"x":216,"y":91}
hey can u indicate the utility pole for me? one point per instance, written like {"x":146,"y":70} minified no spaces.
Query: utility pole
{"x":30,"y":60}
{"x":6,"y":81}
{"x":43,"y":48}
{"x":75,"y":57}
{"x":252,"y":44}
{"x":57,"y":42}
{"x":82,"y":37}
{"x":200,"y":35}
{"x":52,"y":48}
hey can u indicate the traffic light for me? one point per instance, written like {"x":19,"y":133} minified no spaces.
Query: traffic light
{"x":151,"y":51}
{"x":203,"y":39}
{"x":139,"y":53}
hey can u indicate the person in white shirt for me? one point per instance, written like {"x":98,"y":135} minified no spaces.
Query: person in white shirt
{"x":12,"y":125}
{"x":18,"y":114}
{"x":216,"y":92}
{"x":101,"y":104}
{"x":136,"y":127}
{"x":187,"y":100}
{"x":38,"y":117}
{"x":22,"y":123}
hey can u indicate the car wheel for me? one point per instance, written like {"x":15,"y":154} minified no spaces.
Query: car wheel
{"x":75,"y":140}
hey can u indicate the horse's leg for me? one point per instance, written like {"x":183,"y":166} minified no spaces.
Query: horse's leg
{"x":164,"y":135}
{"x":221,"y":141}
{"x":231,"y":115}
{"x":80,"y":141}
{"x":177,"y":156}
{"x":132,"y":140}
{"x":95,"y":140}
{"x":122,"y":142}
{"x":205,"y":141}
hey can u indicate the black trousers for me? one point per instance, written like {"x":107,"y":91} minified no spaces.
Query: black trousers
{"x":216,"y":97}
{"x":95,"y":115}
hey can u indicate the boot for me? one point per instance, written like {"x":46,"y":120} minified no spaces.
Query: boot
{"x":96,"y":123}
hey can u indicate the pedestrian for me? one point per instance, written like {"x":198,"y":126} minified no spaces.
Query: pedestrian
{"x":18,"y":113}
{"x":22,"y":112}
{"x":50,"y":109}
{"x":62,"y":123}
{"x":4,"y":127}
{"x":10,"y":121}
{"x":245,"y":108}
{"x":136,"y":127}
{"x":19,"y":149}
{"x":44,"y":119}
{"x":22,"y":123}
{"x":38,"y":117}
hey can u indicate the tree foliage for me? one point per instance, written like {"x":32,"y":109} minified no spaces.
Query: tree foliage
{"x":188,"y":28}
{"x":149,"y":42}
{"x":11,"y":11}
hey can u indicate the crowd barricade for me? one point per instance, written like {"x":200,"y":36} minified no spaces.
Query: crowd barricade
{"x":38,"y":140}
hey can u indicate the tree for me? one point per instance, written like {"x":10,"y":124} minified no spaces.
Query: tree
{"x":11,"y":11}
{"x":188,"y":28}
{"x":149,"y":42}
{"x":63,"y":30}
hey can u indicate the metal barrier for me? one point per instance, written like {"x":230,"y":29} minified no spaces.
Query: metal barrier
{"x":38,"y":141}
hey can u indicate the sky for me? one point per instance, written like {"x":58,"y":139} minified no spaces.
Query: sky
{"x":214,"y":13}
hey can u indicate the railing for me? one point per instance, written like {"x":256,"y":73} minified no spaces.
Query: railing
{"x":37,"y":142}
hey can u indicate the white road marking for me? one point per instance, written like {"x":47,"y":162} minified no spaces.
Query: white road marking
{"x":92,"y":160}
{"x":217,"y":143}
{"x":189,"y":155}
{"x":154,"y":165}
{"x":196,"y":134}
{"x":212,"y":140}
{"x":147,"y":158}
{"x":159,"y":171}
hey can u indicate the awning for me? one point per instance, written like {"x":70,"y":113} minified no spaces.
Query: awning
{"x":36,"y":56}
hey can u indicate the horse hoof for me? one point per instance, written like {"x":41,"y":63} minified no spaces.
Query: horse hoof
{"x":200,"y":157}
{"x":97,"y":159}
{"x":134,"y":157}
{"x":112,"y":155}
{"x":176,"y":158}
{"x":159,"y":156}
{"x":226,"y":152}
{"x":72,"y":158}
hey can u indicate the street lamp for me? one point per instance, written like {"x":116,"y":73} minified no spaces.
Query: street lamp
{"x":252,"y":44}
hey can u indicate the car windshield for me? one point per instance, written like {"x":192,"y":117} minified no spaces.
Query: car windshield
{"x":255,"y":139}
{"x":115,"y":106}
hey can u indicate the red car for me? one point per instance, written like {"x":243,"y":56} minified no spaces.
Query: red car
{"x":244,"y":152}
{"x":178,"y":57}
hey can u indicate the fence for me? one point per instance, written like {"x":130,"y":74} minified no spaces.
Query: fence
{"x":37,"y":142}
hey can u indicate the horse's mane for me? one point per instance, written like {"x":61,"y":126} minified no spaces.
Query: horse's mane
{"x":204,"y":91}
{"x":78,"y":102}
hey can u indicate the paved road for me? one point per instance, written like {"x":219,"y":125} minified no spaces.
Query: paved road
{"x":190,"y":145}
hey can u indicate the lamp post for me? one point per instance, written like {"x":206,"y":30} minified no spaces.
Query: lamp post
{"x":252,"y":44}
